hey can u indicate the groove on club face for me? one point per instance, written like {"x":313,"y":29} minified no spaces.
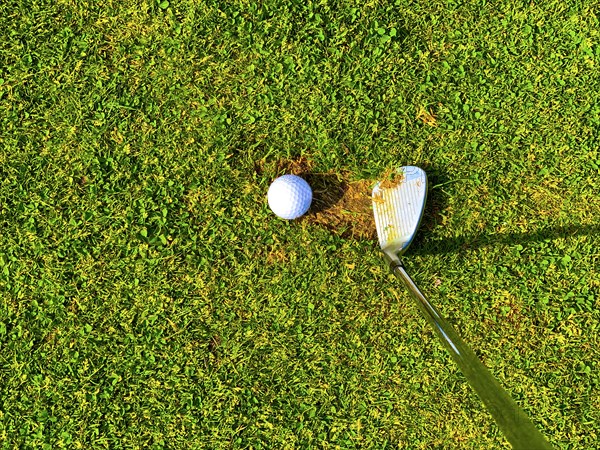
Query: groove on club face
{"x":398,"y":208}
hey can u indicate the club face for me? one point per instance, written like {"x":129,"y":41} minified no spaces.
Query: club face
{"x":398,"y":208}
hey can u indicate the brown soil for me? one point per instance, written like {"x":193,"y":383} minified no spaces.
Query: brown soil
{"x":391,"y":179}
{"x":343,"y":208}
{"x":299,"y":166}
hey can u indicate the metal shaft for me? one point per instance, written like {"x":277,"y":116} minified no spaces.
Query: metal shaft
{"x":514,"y":423}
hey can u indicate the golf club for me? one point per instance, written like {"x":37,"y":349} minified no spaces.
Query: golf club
{"x":398,"y":206}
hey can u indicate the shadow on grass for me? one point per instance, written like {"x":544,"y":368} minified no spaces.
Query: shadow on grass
{"x":328,"y":190}
{"x":454,"y":245}
{"x":437,"y":202}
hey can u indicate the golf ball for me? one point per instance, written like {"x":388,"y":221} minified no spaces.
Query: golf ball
{"x":289,"y":196}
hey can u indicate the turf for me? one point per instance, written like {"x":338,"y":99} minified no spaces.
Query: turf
{"x":149,"y":299}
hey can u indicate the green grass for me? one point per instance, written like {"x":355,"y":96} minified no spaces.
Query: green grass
{"x":149,"y":299}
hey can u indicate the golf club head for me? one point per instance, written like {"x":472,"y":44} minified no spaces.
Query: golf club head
{"x":398,"y":208}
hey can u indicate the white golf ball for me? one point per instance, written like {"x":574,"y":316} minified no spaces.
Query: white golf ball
{"x":289,"y":196}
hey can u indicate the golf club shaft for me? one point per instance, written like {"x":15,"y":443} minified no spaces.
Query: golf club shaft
{"x":514,"y":423}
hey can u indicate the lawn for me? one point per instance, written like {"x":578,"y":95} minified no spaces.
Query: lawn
{"x":150,"y":299}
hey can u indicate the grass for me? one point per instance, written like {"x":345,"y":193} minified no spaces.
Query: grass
{"x":151,"y":300}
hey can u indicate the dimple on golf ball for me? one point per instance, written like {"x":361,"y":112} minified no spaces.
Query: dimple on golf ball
{"x":289,"y":196}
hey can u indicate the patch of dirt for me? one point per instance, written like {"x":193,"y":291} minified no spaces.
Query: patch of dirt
{"x":340,"y":206}
{"x":298,"y":166}
{"x":343,"y":208}
{"x":390,"y":179}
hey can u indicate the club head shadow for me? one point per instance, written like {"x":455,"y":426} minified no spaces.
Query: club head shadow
{"x":398,"y":207}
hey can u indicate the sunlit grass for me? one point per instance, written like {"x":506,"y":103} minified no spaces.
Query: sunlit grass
{"x":149,"y":299}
